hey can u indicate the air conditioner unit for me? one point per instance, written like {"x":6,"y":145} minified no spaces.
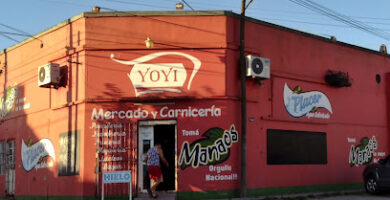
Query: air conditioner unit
{"x":257,"y":66}
{"x":48,"y":75}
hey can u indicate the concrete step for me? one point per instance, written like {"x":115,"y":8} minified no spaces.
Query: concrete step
{"x":162,"y":195}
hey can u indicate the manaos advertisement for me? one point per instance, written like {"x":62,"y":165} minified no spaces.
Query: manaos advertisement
{"x":208,"y":151}
{"x":211,"y":151}
{"x":161,"y":74}
{"x":211,"y":154}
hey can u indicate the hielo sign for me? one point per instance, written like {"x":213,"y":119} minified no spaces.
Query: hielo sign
{"x":117,"y":177}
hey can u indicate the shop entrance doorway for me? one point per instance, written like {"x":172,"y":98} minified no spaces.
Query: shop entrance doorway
{"x":163,"y":132}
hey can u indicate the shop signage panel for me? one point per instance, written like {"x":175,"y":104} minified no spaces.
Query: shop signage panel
{"x":33,"y":154}
{"x":301,"y":101}
{"x":161,"y":74}
{"x":117,"y":177}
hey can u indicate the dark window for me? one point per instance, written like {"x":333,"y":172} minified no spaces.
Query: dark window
{"x":69,"y":158}
{"x":285,"y":147}
{"x":2,"y":157}
{"x":11,"y":154}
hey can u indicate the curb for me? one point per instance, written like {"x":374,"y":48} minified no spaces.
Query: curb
{"x":302,"y":195}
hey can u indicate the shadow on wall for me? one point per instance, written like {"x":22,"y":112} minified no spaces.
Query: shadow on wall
{"x":39,"y":148}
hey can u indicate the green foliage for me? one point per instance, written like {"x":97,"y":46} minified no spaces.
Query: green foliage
{"x":7,"y":101}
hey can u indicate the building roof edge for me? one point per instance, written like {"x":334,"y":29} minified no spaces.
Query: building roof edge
{"x":182,"y":13}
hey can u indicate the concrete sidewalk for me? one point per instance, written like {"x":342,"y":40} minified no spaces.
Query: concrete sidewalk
{"x":344,"y":195}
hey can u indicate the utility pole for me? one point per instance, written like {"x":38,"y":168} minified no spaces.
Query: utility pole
{"x":243,"y":100}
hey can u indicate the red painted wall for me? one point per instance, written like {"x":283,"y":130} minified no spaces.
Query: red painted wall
{"x":96,"y":80}
{"x":38,"y":114}
{"x":357,"y":111}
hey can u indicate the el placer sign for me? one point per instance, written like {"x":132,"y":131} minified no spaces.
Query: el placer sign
{"x":298,"y":103}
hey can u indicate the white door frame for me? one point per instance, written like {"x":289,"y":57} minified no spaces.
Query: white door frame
{"x":144,"y":131}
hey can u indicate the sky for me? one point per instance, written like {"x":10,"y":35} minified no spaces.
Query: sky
{"x":30,"y":17}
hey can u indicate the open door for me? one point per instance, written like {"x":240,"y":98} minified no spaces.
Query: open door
{"x":163,"y":132}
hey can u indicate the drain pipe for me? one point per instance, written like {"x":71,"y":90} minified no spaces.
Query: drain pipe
{"x":243,"y":101}
{"x":4,"y":71}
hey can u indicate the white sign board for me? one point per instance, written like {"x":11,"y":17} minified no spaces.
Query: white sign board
{"x":116,"y":177}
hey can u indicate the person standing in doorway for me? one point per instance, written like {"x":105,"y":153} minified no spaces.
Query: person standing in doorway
{"x":152,"y":160}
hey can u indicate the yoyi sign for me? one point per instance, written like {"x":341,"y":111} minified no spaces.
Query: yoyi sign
{"x":159,"y":77}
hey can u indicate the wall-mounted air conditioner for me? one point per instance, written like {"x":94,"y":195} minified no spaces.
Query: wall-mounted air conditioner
{"x":48,"y":75}
{"x":257,"y":66}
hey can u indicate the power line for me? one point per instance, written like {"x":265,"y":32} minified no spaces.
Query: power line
{"x":373,"y":20}
{"x":21,"y":33}
{"x":140,"y":4}
{"x":188,"y":5}
{"x":110,"y":1}
{"x":305,"y":22}
{"x":8,"y":37}
{"x":109,"y":9}
{"x":225,"y":7}
{"x":67,"y":3}
{"x":341,"y":18}
{"x":83,"y":5}
{"x":6,"y":34}
{"x":15,"y":29}
{"x":313,"y":13}
{"x":321,"y":24}
{"x":11,"y":33}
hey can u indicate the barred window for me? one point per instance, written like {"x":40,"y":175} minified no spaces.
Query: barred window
{"x":2,"y":157}
{"x":11,"y":154}
{"x":69,"y":155}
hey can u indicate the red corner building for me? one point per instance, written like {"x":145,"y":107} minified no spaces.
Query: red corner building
{"x":92,"y":94}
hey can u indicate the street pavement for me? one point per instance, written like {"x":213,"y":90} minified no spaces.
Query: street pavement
{"x":362,"y":196}
{"x":346,"y":195}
